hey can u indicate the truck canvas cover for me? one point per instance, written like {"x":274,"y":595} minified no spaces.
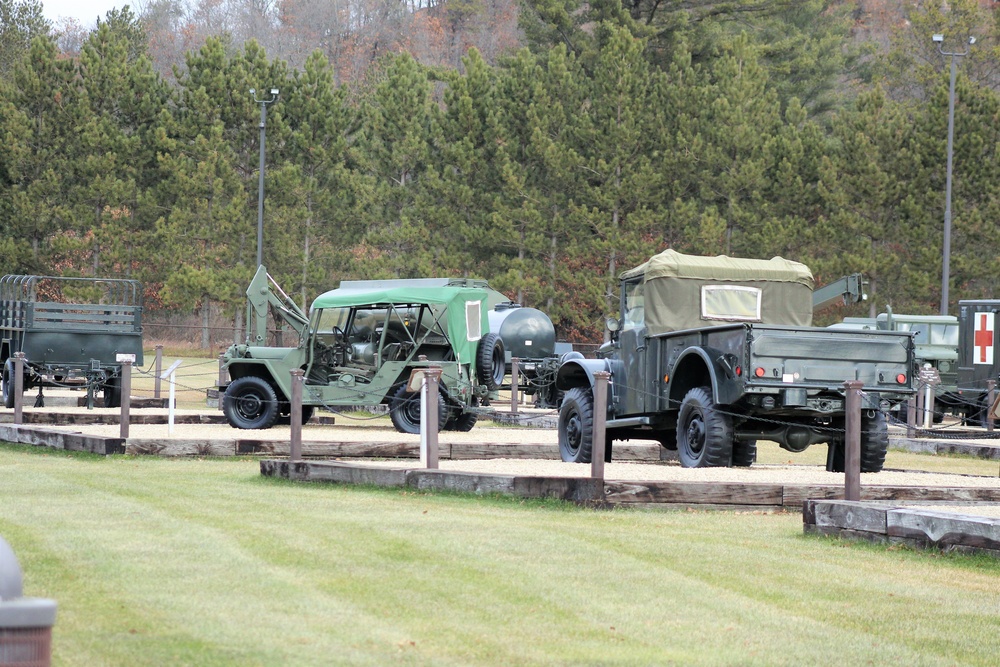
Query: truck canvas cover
{"x":466,"y":309}
{"x":686,"y":291}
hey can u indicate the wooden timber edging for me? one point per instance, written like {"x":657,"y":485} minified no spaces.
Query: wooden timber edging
{"x":607,"y":492}
{"x":174,"y":446}
{"x":575,"y":489}
{"x":108,"y":418}
{"x":377,"y":449}
{"x":930,"y":446}
{"x":76,"y":442}
{"x":894,"y":523}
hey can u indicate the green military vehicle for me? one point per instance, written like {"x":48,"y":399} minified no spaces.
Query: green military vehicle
{"x":710,"y":354}
{"x":359,"y":345}
{"x":936,"y":348}
{"x":72,"y":332}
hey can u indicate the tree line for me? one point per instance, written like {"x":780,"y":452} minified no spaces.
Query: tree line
{"x":619,"y":130}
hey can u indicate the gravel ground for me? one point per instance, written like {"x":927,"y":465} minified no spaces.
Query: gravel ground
{"x":354,"y":429}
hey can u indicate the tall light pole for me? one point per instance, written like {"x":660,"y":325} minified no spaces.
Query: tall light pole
{"x":260,"y":184}
{"x":946,"y":264}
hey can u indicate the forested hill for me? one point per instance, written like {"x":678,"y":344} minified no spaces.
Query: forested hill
{"x":545,"y":147}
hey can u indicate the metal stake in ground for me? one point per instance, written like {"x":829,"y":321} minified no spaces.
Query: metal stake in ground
{"x":600,"y":417}
{"x":429,"y":421}
{"x":171,"y":375}
{"x":513,"y":385}
{"x":18,"y":387}
{"x":126,"y":394}
{"x":911,"y":416}
{"x":295,"y":416}
{"x":159,"y":371}
{"x":852,"y":440}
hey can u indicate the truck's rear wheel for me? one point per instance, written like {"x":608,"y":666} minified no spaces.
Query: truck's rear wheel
{"x":576,"y":426}
{"x":113,"y":392}
{"x":404,"y":411}
{"x":874,"y":442}
{"x":250,"y":402}
{"x":8,"y":386}
{"x":744,"y":453}
{"x":704,"y":434}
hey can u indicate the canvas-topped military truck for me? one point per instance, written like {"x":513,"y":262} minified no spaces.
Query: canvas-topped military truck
{"x":71,"y":331}
{"x":710,"y":354}
{"x":358,"y":346}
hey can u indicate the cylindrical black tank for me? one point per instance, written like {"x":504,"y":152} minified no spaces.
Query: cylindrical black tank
{"x":526,"y":333}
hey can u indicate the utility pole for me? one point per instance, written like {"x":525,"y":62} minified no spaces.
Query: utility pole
{"x":946,"y":262}
{"x":260,"y":183}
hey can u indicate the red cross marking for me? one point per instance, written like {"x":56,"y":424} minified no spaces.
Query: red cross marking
{"x":983,"y":338}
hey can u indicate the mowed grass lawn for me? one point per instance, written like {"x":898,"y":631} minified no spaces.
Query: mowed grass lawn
{"x":203,"y":562}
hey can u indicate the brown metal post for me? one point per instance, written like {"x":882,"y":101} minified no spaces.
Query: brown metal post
{"x":223,"y":377}
{"x":991,"y":395}
{"x":295,"y":415}
{"x":852,"y":440}
{"x":919,"y":417}
{"x":126,"y":396}
{"x":432,"y":377}
{"x":159,"y":371}
{"x":513,"y":385}
{"x":18,"y":387}
{"x":911,"y":416}
{"x":600,"y":417}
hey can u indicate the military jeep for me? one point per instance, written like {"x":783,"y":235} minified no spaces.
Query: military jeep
{"x":358,"y":347}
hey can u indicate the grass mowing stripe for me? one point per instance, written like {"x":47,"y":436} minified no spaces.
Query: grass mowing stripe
{"x":211,"y":564}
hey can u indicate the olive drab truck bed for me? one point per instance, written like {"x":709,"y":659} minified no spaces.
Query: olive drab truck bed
{"x":71,"y":331}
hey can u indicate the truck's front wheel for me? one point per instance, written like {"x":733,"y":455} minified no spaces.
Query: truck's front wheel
{"x":250,"y":402}
{"x":704,"y":434}
{"x":405,"y":412}
{"x":576,"y":426}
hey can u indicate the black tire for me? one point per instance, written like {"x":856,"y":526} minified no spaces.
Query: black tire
{"x":285,"y":418}
{"x":491,"y":362}
{"x":250,"y":403}
{"x":462,"y":421}
{"x":405,"y":413}
{"x":576,"y":426}
{"x":113,"y":392}
{"x":667,"y":439}
{"x":8,"y":383}
{"x":704,"y":435}
{"x":874,"y":442}
{"x":307,"y":413}
{"x":744,"y":453}
{"x":835,"y":456}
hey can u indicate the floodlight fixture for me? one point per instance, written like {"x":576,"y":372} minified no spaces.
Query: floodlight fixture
{"x":938,"y":37}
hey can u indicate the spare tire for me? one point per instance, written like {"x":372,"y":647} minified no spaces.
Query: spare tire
{"x":491,"y":362}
